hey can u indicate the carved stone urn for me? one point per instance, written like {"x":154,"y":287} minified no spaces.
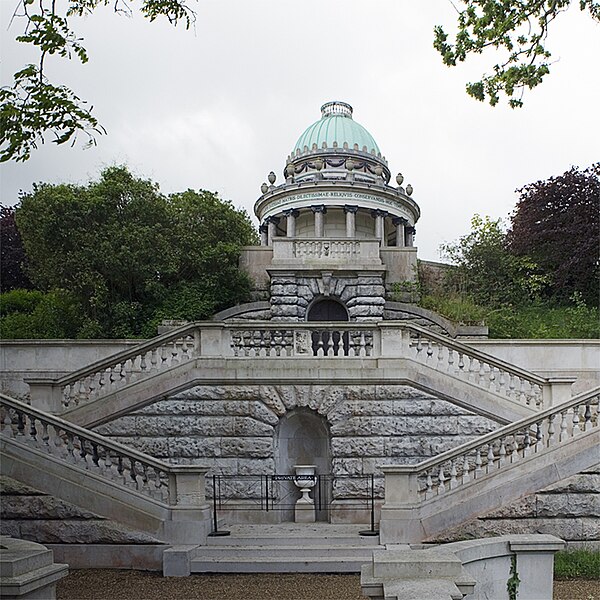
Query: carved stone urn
{"x":305,"y":479}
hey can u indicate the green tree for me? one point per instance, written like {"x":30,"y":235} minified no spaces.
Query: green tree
{"x":487,"y":271}
{"x":33,"y":106}
{"x":557,"y":224}
{"x":12,"y":253}
{"x":131,"y":255}
{"x":518,"y":29}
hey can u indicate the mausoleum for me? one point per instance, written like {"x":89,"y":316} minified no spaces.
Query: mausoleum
{"x":325,"y":400}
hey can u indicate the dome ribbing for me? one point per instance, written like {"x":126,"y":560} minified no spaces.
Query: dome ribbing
{"x":336,"y":125}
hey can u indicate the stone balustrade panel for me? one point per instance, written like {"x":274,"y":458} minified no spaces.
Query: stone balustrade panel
{"x":137,"y":366}
{"x":89,"y":453}
{"x":476,"y":368}
{"x":553,"y":428}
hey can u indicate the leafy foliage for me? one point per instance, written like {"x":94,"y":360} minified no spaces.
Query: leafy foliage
{"x":533,"y":321}
{"x":12,"y":253}
{"x":33,"y":106}
{"x":540,"y":279}
{"x":519,"y":29}
{"x":557,"y":224}
{"x":33,"y":314}
{"x":487,"y":271}
{"x":131,"y":256}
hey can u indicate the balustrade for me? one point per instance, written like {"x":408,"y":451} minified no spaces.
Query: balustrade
{"x":300,"y":340}
{"x":475,"y":367}
{"x":497,"y":450}
{"x":86,"y":450}
{"x":332,"y":249}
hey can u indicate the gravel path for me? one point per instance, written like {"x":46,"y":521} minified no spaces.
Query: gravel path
{"x":106,"y":584}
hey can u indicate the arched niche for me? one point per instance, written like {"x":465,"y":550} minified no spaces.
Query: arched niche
{"x":302,"y":438}
{"x":327,"y":309}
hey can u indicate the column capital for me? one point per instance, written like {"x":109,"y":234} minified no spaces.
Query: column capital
{"x":411,"y":230}
{"x":350,"y":208}
{"x":291,"y":212}
{"x":319,"y":208}
{"x":263,"y":228}
{"x":377,"y":212}
{"x":274,"y":220}
{"x":400,"y":221}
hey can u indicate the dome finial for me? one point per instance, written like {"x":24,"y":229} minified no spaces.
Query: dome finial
{"x":336,"y":109}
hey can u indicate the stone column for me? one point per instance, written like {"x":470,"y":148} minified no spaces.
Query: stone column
{"x":319,"y":221}
{"x":272,"y":229}
{"x":264,"y":235}
{"x":350,"y":220}
{"x":290,"y":221}
{"x":379,"y":216}
{"x":400,"y":223}
{"x":411,"y":231}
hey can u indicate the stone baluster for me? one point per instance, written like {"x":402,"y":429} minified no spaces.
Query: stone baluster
{"x":350,"y":220}
{"x":465,"y":473}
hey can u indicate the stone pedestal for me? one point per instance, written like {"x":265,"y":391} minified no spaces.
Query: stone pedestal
{"x":305,"y":507}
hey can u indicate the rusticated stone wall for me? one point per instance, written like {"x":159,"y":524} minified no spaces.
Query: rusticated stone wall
{"x":569,"y":509}
{"x":29,"y":514}
{"x":363,"y":295}
{"x":234,"y":428}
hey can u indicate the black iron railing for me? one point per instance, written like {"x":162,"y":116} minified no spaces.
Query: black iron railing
{"x":278,"y":492}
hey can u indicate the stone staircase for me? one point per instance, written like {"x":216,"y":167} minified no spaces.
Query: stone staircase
{"x":262,"y":353}
{"x":286,"y":548}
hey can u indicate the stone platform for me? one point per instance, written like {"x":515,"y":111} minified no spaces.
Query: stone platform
{"x":286,"y":548}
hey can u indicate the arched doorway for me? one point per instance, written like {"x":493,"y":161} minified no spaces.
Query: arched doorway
{"x":328,"y":310}
{"x":302,"y":438}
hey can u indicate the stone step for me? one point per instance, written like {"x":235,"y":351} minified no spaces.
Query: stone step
{"x":340,"y":541}
{"x":263,"y":552}
{"x":338,"y":564}
{"x":281,"y":534}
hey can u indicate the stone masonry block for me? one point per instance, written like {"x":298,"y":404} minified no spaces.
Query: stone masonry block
{"x":32,"y":507}
{"x":194,"y":447}
{"x":443,"y":407}
{"x":350,"y":446}
{"x":246,"y":426}
{"x":247,"y":447}
{"x":568,"y":505}
{"x":581,"y":483}
{"x":347,"y":466}
{"x":475,"y":425}
{"x":369,"y":426}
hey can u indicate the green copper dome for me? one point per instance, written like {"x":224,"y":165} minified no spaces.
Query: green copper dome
{"x":336,"y":125}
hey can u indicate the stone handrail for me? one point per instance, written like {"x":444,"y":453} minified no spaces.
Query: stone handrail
{"x":172,"y":485}
{"x":260,"y":339}
{"x":125,"y":367}
{"x":464,"y":362}
{"x":490,"y":453}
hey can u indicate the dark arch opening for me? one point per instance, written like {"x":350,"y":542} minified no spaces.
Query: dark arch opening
{"x":327,"y":310}
{"x":326,"y":341}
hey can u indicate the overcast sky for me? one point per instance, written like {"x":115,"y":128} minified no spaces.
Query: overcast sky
{"x":220,"y":106}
